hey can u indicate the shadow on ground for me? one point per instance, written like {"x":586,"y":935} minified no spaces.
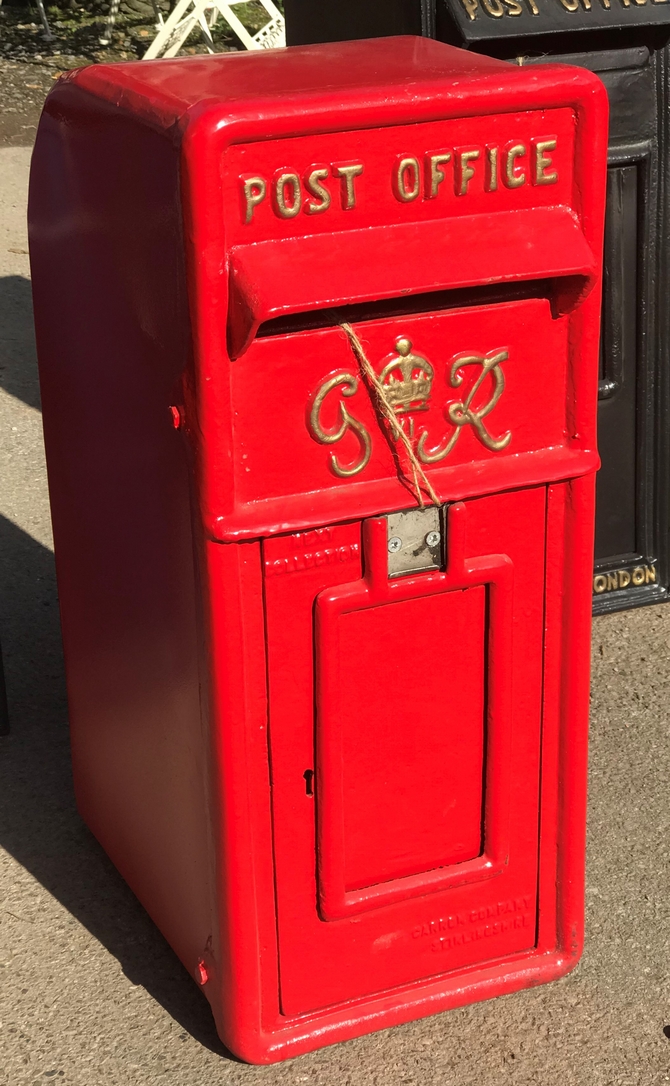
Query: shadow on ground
{"x":18,"y":367}
{"x":39,"y":824}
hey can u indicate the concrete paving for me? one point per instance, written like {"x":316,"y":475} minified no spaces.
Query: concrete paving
{"x":90,"y":994}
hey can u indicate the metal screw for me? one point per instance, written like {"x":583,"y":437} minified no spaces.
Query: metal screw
{"x":432,"y":539}
{"x":395,"y":543}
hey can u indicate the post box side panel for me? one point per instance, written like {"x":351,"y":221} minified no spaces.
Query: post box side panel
{"x":578,"y":502}
{"x":570,"y":517}
{"x":243,"y":982}
{"x":113,"y":339}
{"x":420,"y":929}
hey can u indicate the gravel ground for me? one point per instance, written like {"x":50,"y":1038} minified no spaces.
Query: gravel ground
{"x":23,"y":88}
{"x":29,"y":64}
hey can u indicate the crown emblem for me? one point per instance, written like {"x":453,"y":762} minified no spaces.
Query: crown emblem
{"x":407,"y":379}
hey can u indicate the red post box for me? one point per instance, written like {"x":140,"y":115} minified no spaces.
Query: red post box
{"x":318,"y":338}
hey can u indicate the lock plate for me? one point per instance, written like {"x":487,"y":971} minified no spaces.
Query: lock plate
{"x":415,"y":541}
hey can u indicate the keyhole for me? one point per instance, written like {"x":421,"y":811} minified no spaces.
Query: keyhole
{"x":309,"y":782}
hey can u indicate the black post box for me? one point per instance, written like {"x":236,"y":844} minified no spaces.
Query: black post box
{"x":626,"y":43}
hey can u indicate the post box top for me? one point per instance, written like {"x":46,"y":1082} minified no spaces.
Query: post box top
{"x":290,"y":89}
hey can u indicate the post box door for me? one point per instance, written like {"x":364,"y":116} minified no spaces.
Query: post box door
{"x":405,"y":741}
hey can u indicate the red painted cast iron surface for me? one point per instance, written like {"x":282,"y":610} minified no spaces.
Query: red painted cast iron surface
{"x":346,"y":800}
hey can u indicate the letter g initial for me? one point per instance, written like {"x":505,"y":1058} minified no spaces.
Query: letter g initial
{"x":349,"y":385}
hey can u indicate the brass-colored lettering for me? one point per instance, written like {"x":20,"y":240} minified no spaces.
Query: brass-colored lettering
{"x":637,"y":576}
{"x":587,"y":4}
{"x":612,"y":581}
{"x":640,"y":2}
{"x":347,"y":175}
{"x":313,"y":179}
{"x":491,"y":176}
{"x":513,"y":8}
{"x":463,"y":171}
{"x":599,"y":584}
{"x":542,"y":175}
{"x":463,"y":413}
{"x":435,"y":175}
{"x":349,"y":385}
{"x":624,"y":578}
{"x":572,"y":5}
{"x":254,"y":191}
{"x":286,"y":209}
{"x":511,"y":154}
{"x":626,"y":3}
{"x":533,"y":7}
{"x":494,"y":8}
{"x":471,"y":8}
{"x":650,"y":574}
{"x":406,"y":180}
{"x":607,"y":4}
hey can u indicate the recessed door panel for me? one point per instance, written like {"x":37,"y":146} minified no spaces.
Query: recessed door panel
{"x":411,"y":759}
{"x":405,"y":741}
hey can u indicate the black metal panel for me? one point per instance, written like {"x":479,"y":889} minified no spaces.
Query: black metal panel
{"x":4,"y":713}
{"x":484,"y":20}
{"x":631,"y":552}
{"x":310,"y":21}
{"x":617,"y":415}
{"x":633,"y":502}
{"x":626,"y":43}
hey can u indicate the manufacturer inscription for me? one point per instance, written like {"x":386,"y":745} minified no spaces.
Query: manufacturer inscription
{"x":482,"y":931}
{"x":624,"y":578}
{"x":471,"y":925}
{"x":317,"y":552}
